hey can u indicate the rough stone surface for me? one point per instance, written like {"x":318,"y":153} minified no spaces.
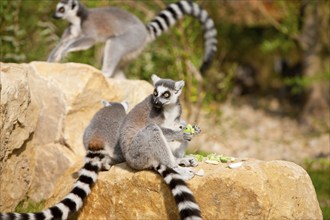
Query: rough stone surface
{"x":19,"y":116}
{"x":45,"y":108}
{"x":257,"y":190}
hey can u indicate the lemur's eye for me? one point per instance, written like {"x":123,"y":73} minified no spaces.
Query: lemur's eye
{"x":61,"y":9}
{"x":166,"y":94}
{"x":155,"y":93}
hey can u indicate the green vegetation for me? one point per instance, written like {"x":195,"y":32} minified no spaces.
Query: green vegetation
{"x":28,"y":205}
{"x":319,"y":171}
{"x":212,"y":157}
{"x":256,"y":44}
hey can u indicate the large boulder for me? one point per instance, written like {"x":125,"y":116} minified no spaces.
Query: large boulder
{"x":256,"y":190}
{"x":19,"y":117}
{"x":45,"y":108}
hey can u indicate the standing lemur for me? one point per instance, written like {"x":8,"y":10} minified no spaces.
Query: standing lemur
{"x":101,"y":142}
{"x":152,"y":137}
{"x":125,"y":36}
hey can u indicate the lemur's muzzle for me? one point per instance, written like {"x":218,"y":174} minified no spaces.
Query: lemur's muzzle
{"x":56,"y":16}
{"x":157,"y":103}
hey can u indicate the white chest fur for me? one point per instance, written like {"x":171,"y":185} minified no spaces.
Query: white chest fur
{"x":171,"y":114}
{"x":75,"y":27}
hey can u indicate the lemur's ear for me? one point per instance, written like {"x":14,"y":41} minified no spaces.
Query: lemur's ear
{"x":179,"y":85}
{"x":74,"y":3}
{"x":155,"y":78}
{"x":125,"y":105}
{"x":105,"y":103}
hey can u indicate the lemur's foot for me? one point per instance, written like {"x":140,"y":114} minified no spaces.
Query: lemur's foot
{"x":187,"y":161}
{"x":106,"y":165}
{"x":185,"y":172}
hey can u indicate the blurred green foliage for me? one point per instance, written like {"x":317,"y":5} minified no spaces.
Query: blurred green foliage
{"x":28,"y":33}
{"x":319,"y":171}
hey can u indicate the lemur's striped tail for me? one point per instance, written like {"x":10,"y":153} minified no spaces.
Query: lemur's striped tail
{"x":74,"y":200}
{"x":184,"y":198}
{"x":175,"y":11}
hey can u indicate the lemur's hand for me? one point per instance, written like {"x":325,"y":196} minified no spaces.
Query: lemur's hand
{"x":192,"y":129}
{"x":197,"y":129}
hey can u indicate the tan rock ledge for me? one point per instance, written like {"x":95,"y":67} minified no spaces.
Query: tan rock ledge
{"x":256,"y":190}
{"x":45,"y":108}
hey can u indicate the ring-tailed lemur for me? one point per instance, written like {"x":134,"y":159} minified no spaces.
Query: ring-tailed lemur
{"x":149,"y":138}
{"x":124,"y":34}
{"x":101,"y":142}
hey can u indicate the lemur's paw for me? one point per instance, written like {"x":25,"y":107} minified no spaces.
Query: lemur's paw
{"x":197,"y":129}
{"x":187,"y":161}
{"x":192,"y":129}
{"x":185,"y":172}
{"x":106,"y":167}
{"x":106,"y":163}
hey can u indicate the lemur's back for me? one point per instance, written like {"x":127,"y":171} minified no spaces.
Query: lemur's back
{"x":134,"y":121}
{"x":105,"y":126}
{"x":111,"y":21}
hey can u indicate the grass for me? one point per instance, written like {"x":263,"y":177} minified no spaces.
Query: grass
{"x":319,"y":171}
{"x":27,"y":205}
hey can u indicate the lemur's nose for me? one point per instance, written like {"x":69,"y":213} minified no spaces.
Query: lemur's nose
{"x":55,"y":16}
{"x":157,"y":103}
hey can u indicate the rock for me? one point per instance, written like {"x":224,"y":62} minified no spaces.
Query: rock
{"x":45,"y":108}
{"x":19,"y":116}
{"x":256,"y":190}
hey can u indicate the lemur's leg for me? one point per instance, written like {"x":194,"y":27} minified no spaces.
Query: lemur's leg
{"x":80,"y":44}
{"x":149,"y":148}
{"x":55,"y":54}
{"x":69,"y":45}
{"x":178,"y":141}
{"x":113,"y":52}
{"x":122,"y":47}
{"x":119,"y":74}
{"x":77,"y":45}
{"x":178,"y":150}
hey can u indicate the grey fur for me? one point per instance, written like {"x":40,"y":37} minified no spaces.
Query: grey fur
{"x":121,"y":31}
{"x":152,"y":137}
{"x":105,"y":126}
{"x":149,"y":127}
{"x":124,"y":35}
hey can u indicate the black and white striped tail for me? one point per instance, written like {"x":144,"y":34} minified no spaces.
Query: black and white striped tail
{"x":184,"y":198}
{"x":74,"y":200}
{"x":175,"y":11}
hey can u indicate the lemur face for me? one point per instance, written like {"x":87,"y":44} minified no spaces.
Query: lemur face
{"x":66,"y":9}
{"x":166,"y":91}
